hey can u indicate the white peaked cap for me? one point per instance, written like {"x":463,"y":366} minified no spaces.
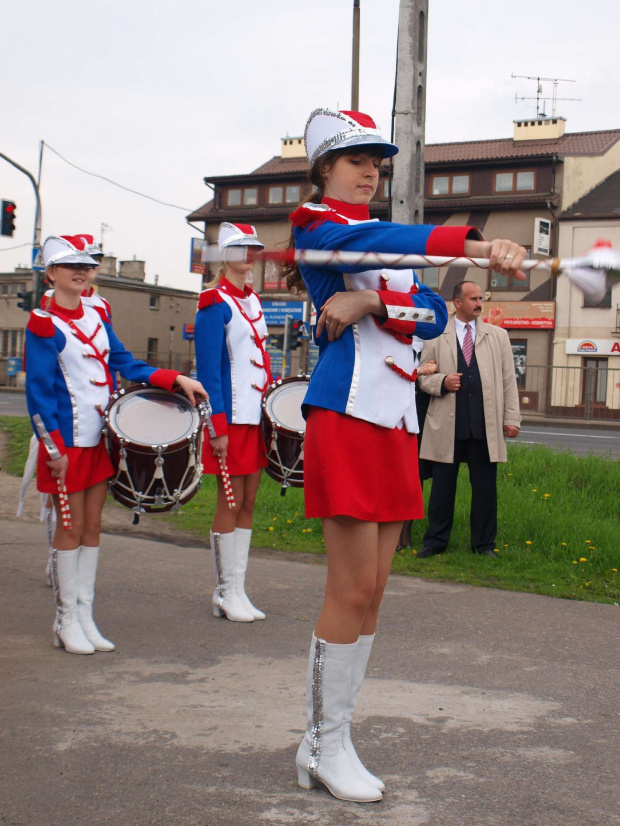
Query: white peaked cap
{"x":57,"y":250}
{"x":238,"y":235}
{"x":328,"y":130}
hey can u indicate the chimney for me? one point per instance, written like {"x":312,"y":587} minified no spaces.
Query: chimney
{"x":293,"y":147}
{"x":541,"y":129}
{"x":108,"y":265}
{"x":132,"y":269}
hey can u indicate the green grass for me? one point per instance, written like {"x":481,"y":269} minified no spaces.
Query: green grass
{"x":19,"y":432}
{"x":559,"y":524}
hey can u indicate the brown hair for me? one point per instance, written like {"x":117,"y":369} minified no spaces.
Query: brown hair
{"x":457,"y":292}
{"x":316,"y":177}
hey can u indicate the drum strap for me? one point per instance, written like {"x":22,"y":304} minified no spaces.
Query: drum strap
{"x":87,"y":340}
{"x":266,"y":365}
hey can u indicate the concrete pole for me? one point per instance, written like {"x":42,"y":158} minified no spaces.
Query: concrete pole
{"x":355,"y":65}
{"x":407,"y":198}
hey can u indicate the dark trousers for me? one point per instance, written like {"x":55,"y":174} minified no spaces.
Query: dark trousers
{"x":483,"y":513}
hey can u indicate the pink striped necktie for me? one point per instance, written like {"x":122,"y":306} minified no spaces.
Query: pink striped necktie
{"x":468,"y":345}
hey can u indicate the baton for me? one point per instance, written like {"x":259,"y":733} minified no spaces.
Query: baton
{"x":600,"y":257}
{"x":230,"y":496}
{"x":54,"y":453}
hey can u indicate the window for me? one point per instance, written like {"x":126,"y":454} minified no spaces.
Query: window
{"x":604,"y":303}
{"x":525,"y":181}
{"x":250,"y":197}
{"x":4,"y":289}
{"x":429,"y":276}
{"x":449,"y":185}
{"x":237,"y":197}
{"x":271,"y":277}
{"x":153,"y":302}
{"x":497,"y":281}
{"x":11,"y":343}
{"x":515,"y":181}
{"x":276,"y":195}
{"x":292,"y":194}
{"x":234,"y":197}
{"x":151,"y":350}
{"x":519,"y":356}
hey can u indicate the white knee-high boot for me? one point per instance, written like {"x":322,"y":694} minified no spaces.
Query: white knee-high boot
{"x":87,"y":574}
{"x":243,"y":538}
{"x":68,"y":632}
{"x":364,"y":647}
{"x":226,"y":601}
{"x":321,"y":754}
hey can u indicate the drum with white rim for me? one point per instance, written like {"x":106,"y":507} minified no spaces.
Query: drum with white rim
{"x":154,"y":438}
{"x":284,"y":429}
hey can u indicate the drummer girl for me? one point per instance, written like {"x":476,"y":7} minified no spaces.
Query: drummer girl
{"x":233,"y":365}
{"x":360,"y":459}
{"x":72,"y":356}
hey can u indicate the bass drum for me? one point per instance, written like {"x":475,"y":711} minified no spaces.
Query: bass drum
{"x":154,"y":438}
{"x":284,"y":429}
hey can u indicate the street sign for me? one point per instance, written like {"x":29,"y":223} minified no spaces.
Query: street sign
{"x":37,"y":259}
{"x":197,"y":262}
{"x":275,"y":312}
{"x":188,"y":332}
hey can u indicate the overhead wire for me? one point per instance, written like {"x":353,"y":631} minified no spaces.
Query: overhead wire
{"x":114,"y":183}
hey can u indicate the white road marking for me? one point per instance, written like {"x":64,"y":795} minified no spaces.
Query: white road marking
{"x":578,"y":435}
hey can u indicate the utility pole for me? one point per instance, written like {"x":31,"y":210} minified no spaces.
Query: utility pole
{"x":355,"y":67}
{"x":407,"y":192}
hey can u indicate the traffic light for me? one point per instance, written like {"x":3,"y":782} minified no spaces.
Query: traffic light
{"x":25,"y":300}
{"x":277,"y":342}
{"x":8,"y":218}
{"x":298,"y":331}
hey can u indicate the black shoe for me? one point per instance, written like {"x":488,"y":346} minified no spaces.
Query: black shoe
{"x":429,"y":552}
{"x":485,"y":551}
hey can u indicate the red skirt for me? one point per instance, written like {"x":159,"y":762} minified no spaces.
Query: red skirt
{"x":355,"y":468}
{"x":246,"y":451}
{"x":87,"y":467}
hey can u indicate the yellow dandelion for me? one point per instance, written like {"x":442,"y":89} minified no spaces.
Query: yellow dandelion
{"x":271,"y":527}
{"x":505,"y":546}
{"x":289,"y":521}
{"x":588,"y":541}
{"x":534,"y":490}
{"x":547,"y":495}
{"x":309,"y":530}
{"x":528,"y":542}
{"x":564,"y":544}
{"x":583,"y":559}
{"x":496,"y":550}
{"x":615,"y":570}
{"x":574,"y":561}
{"x":296,"y":514}
{"x":274,"y":519}
{"x":510,"y":474}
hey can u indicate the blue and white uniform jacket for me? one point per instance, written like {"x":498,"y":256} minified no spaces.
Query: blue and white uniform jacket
{"x":369,"y":372}
{"x":71,"y":362}
{"x":231,"y":360}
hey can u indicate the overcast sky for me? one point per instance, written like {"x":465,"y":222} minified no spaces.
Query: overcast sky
{"x":156,"y":95}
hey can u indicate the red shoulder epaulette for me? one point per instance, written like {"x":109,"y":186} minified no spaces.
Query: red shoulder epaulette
{"x":311,"y":216}
{"x":209,"y":297}
{"x":41,"y":325}
{"x":104,"y":316}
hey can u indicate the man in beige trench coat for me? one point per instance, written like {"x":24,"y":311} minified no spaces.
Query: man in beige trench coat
{"x":474,"y":407}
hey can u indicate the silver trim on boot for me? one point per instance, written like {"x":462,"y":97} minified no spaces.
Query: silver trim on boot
{"x":217,"y":559}
{"x":317,"y":706}
{"x":53,"y":563}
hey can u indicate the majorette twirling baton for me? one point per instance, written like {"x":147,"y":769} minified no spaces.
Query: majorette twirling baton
{"x":54,"y":453}
{"x":230,"y":496}
{"x":588,"y":272}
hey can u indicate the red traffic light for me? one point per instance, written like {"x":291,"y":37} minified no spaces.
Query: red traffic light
{"x":7,"y":219}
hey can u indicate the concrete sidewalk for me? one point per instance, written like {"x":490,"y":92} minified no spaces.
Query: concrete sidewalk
{"x":481,"y":707}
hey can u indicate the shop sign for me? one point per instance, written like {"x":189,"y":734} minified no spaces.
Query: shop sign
{"x":592,"y":346}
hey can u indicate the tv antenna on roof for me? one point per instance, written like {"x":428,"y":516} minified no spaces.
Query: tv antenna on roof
{"x":539,"y":91}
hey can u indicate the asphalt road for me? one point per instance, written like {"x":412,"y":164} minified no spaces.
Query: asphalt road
{"x":480,"y":707}
{"x":579,"y":441}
